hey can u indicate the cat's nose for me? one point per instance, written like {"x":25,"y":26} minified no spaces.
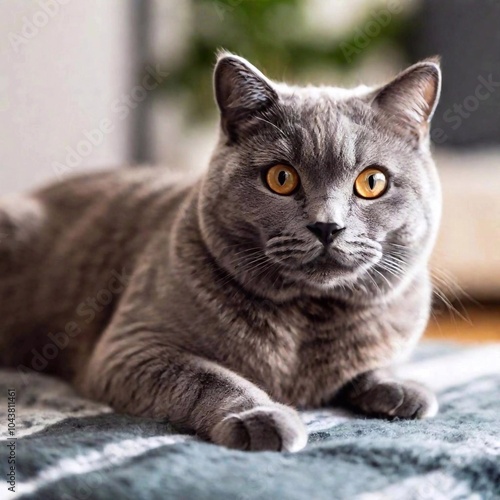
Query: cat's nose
{"x":325,"y":231}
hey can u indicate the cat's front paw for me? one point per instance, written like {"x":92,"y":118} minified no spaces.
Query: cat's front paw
{"x":392,"y":398}
{"x":263,"y":428}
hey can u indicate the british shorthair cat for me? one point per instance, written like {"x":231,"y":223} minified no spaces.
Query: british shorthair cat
{"x":293,"y":273}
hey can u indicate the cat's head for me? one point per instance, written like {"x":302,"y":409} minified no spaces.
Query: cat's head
{"x":321,"y":188}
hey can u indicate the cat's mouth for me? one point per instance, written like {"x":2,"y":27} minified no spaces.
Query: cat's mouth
{"x":329,"y":262}
{"x":327,"y":265}
{"x":332,"y":265}
{"x":325,"y":268}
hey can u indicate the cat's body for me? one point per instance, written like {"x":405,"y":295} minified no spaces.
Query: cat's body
{"x":66,"y":257}
{"x":209,"y":301}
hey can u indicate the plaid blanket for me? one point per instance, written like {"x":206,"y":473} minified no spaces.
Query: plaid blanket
{"x":62,"y":446}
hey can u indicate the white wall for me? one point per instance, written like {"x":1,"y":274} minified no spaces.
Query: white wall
{"x":64,"y":63}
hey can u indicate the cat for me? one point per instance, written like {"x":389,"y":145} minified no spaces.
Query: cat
{"x":292,"y":274}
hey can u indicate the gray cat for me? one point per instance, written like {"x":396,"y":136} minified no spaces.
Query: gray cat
{"x":292,"y":273}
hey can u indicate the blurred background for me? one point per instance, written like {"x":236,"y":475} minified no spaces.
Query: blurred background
{"x":114,"y":83}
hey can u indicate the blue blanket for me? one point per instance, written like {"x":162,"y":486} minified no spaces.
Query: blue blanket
{"x":67,"y":447}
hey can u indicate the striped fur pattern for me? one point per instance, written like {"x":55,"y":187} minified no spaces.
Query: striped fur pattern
{"x":207,"y":301}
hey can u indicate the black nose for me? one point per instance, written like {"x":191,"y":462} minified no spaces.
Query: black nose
{"x":325,"y":231}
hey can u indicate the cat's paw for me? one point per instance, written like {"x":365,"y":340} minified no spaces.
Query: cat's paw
{"x":263,"y":428}
{"x":392,"y":398}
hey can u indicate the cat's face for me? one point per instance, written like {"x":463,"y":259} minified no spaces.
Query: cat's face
{"x":322,"y":188}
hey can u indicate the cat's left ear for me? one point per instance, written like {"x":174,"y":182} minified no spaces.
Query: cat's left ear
{"x":409,"y":101}
{"x":241,"y":91}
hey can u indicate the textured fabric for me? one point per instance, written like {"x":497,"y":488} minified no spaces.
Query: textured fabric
{"x":68,"y":447}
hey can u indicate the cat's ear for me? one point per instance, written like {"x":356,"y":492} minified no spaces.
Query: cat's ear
{"x":410,"y":100}
{"x":241,"y":90}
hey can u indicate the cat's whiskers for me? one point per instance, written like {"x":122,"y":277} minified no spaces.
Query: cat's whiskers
{"x":372,"y":280}
{"x":397,"y":258}
{"x":263,"y":269}
{"x":385,"y":267}
{"x":443,"y":283}
{"x":374,"y":269}
{"x":260,"y":262}
{"x":246,"y":261}
{"x":267,"y":275}
{"x":234,"y":263}
{"x":394,"y":266}
{"x":361,"y":284}
{"x":232,"y":276}
{"x":450,"y":282}
{"x":227,"y":249}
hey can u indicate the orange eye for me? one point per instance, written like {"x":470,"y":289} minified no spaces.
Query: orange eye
{"x":371,"y":183}
{"x":282,"y":179}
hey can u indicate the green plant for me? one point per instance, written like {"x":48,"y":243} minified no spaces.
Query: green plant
{"x":271,"y":33}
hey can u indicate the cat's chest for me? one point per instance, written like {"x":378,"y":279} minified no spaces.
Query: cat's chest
{"x":306,"y":351}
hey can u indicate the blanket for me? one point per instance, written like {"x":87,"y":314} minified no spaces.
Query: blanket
{"x":57,"y":445}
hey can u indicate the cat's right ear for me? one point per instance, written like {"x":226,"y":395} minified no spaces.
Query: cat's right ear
{"x":409,"y":101}
{"x":241,"y":90}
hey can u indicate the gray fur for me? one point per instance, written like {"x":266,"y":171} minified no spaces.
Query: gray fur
{"x":222,"y":309}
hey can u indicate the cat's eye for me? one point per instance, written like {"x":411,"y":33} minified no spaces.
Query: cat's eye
{"x":282,"y":179}
{"x":371,"y":183}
